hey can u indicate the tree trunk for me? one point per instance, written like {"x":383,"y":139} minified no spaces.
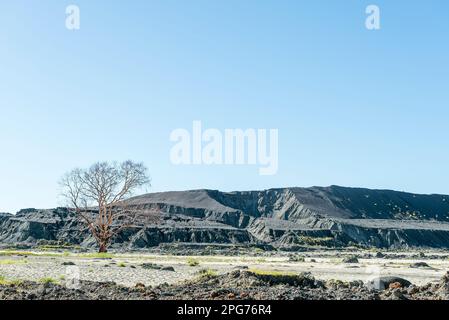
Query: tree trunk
{"x":103,"y":248}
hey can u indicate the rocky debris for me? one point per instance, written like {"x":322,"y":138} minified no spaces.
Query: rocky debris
{"x":241,"y":267}
{"x":168,"y":268}
{"x":395,"y":294}
{"x":384,"y":282}
{"x":420,"y":265}
{"x":351,"y":259}
{"x":238,"y":284}
{"x":442,"y":289}
{"x":395,"y":285}
{"x":379,"y":255}
{"x":285,"y":218}
{"x":157,"y":267}
{"x":140,"y":285}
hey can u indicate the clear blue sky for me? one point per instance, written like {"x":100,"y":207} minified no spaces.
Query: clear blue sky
{"x":353,"y":107}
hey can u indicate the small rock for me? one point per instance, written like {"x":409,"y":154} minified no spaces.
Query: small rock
{"x":397,"y":295}
{"x":419,"y":265}
{"x":68,"y":263}
{"x":231,"y":295}
{"x":151,"y":266}
{"x":443,"y":285}
{"x":395,"y":285}
{"x":356,"y":284}
{"x":379,"y":255}
{"x":168,"y":268}
{"x":296,"y":258}
{"x":382,"y":283}
{"x":140,"y":285}
{"x":412,"y":290}
{"x":351,"y":259}
{"x":241,"y":267}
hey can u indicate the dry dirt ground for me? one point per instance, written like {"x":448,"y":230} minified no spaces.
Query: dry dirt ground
{"x":152,"y":270}
{"x":317,"y":274}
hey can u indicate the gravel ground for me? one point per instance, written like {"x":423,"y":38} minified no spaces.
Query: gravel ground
{"x":151,"y":270}
{"x":130,"y":269}
{"x":123,"y":271}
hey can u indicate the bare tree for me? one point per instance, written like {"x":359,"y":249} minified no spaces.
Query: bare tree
{"x":98,"y":195}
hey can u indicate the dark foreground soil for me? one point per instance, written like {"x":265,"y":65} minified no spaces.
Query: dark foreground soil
{"x":239,"y":284}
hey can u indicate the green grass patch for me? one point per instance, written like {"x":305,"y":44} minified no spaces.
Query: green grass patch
{"x":17,"y":253}
{"x":121,"y":264}
{"x":12,"y":262}
{"x":21,"y":253}
{"x":274,"y":273}
{"x":7,"y":282}
{"x":58,"y":247}
{"x":97,"y":255}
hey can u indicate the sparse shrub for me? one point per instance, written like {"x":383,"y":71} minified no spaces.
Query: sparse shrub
{"x":259,"y":250}
{"x":47,"y":280}
{"x":296,"y":258}
{"x":192,"y":262}
{"x":207,"y":273}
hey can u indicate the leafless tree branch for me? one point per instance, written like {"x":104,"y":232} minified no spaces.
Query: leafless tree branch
{"x":98,"y":195}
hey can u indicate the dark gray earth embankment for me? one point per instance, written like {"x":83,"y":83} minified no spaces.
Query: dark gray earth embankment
{"x":238,"y":284}
{"x":281,"y":218}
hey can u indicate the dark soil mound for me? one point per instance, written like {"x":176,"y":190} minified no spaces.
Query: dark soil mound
{"x":282,"y":218}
